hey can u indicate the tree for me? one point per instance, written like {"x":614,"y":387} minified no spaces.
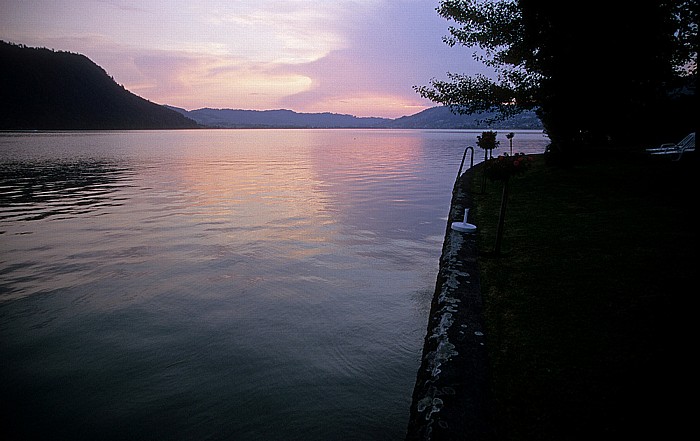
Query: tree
{"x":597,"y":76}
{"x":487,"y":141}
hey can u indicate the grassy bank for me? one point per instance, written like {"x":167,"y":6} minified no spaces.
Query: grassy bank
{"x":588,"y":306}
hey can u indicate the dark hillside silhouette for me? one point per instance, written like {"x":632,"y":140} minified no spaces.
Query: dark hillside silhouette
{"x":41,"y":89}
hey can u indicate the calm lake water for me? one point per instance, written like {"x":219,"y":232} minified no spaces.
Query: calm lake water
{"x":220,"y":284}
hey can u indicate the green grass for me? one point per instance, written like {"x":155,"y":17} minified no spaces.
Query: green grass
{"x":588,"y":307}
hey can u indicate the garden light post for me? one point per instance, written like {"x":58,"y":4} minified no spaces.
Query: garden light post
{"x":501,"y":217}
{"x":510,"y":138}
{"x":502,"y":169}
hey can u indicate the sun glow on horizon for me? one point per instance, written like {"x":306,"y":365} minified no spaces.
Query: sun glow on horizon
{"x":368,"y":105}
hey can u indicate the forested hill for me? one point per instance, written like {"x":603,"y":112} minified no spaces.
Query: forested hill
{"x":45,"y":90}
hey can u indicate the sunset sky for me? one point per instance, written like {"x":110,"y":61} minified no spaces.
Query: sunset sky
{"x":360,"y":57}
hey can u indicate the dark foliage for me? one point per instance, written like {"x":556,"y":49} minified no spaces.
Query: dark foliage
{"x":599,"y":76}
{"x":608,"y":77}
{"x":41,"y":89}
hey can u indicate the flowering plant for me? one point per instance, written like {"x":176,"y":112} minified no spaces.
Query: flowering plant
{"x":504,"y":166}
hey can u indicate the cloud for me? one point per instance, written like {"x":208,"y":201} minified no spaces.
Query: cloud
{"x":387,"y":53}
{"x":194,"y":81}
{"x":285,"y":31}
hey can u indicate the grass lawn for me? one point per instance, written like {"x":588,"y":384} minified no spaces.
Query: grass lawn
{"x":588,"y":306}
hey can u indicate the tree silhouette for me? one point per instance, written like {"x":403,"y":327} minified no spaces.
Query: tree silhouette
{"x":597,"y":76}
{"x":487,"y":142}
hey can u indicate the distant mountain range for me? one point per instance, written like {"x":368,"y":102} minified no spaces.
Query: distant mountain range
{"x":237,"y":118}
{"x":42,"y":89}
{"x":439,"y":117}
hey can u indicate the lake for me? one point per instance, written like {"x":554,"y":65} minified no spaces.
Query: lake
{"x":220,"y":284}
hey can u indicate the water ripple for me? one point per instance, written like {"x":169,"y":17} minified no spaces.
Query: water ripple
{"x":32,"y":191}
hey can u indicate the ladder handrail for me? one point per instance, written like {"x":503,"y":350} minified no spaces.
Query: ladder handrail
{"x":471,"y":164}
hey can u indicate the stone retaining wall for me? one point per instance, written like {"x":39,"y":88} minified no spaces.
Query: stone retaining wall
{"x":450,"y":396}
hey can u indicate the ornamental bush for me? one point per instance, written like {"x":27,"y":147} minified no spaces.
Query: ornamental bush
{"x":487,"y":140}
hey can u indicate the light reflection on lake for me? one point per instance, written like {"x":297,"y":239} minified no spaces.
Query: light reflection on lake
{"x":220,"y":284}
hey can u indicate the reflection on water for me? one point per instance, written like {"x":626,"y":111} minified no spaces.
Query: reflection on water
{"x":34,"y":191}
{"x":218,"y":284}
